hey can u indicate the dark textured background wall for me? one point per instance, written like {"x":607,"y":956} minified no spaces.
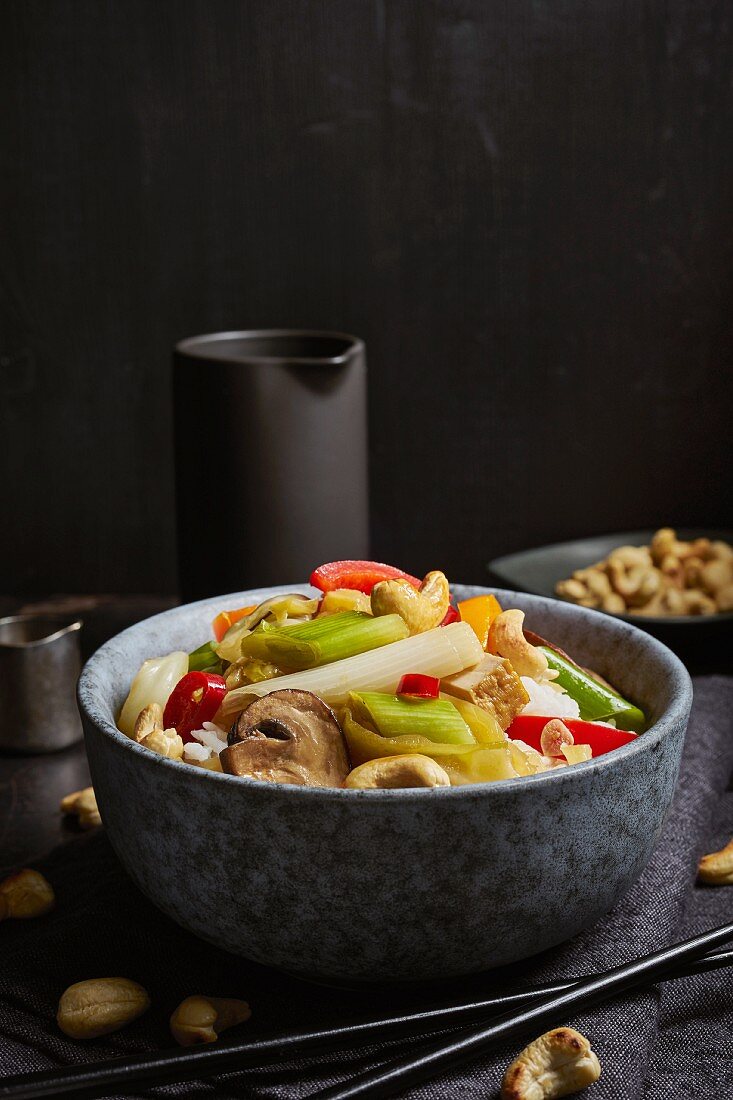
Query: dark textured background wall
{"x":524,"y":208}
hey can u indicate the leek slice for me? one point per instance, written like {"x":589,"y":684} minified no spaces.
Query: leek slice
{"x":438,"y":652}
{"x":322,"y":641}
{"x":482,"y":723}
{"x":398,"y":716}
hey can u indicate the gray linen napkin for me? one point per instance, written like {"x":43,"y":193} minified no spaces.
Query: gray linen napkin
{"x":673,"y":1040}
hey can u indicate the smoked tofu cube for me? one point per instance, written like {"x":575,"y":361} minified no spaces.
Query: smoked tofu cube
{"x":492,"y":684}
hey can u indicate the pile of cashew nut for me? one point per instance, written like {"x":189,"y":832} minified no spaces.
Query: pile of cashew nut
{"x":669,"y":577}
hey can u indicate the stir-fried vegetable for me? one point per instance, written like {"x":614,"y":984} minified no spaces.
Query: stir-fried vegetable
{"x":444,"y":688}
{"x":437,"y":652}
{"x":278,"y":610}
{"x":323,"y":640}
{"x":398,"y":715}
{"x":597,"y":703}
{"x":602,"y":739}
{"x":153,"y":684}
{"x":479,"y":612}
{"x":362,"y":575}
{"x":467,"y":763}
{"x":483,"y":724}
{"x":419,"y":686}
{"x":194,"y":700}
{"x":204,"y":659}
{"x":225,"y":619}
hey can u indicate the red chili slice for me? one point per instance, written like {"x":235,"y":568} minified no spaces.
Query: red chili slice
{"x":359,"y":575}
{"x":602,"y":739}
{"x":419,"y":685}
{"x":194,"y":700}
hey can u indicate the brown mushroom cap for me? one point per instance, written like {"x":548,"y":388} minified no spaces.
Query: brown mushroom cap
{"x":288,"y":736}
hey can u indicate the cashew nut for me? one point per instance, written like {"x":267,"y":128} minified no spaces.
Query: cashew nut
{"x":598,"y":583}
{"x":691,"y":571}
{"x":577,"y":754}
{"x":24,"y":895}
{"x":717,"y":868}
{"x":560,"y":1062}
{"x":631,"y":557}
{"x":720,"y":549}
{"x":613,"y":602}
{"x":636,"y":584}
{"x":100,"y":1005}
{"x":554,"y":736}
{"x":211,"y":764}
{"x":201,"y":1019}
{"x":716,"y":575}
{"x":422,"y":609}
{"x":506,"y":638}
{"x":150,"y":733}
{"x":574,"y":589}
{"x":675,"y":578}
{"x":165,"y":742}
{"x":82,"y":805}
{"x":150,"y":718}
{"x":724,"y":598}
{"x":665,"y":542}
{"x":527,"y":761}
{"x":697,"y":603}
{"x":410,"y":770}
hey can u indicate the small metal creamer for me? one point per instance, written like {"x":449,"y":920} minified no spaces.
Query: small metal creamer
{"x":40,"y":662}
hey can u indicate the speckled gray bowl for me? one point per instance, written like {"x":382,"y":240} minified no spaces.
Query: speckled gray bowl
{"x":378,"y":885}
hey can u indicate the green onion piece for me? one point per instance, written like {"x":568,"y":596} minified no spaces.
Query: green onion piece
{"x":348,"y":633}
{"x":399,"y":716}
{"x":204,"y":659}
{"x":322,"y":641}
{"x":272,"y":644}
{"x":597,"y":703}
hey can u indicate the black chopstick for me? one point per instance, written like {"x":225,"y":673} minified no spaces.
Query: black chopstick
{"x":453,"y":1052}
{"x":186,"y":1064}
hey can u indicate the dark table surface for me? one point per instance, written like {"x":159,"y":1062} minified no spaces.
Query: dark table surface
{"x":31,"y":787}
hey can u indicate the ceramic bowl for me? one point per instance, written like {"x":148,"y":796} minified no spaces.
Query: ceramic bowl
{"x":389,"y":885}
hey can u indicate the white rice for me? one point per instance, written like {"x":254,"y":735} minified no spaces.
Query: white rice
{"x":547,"y":700}
{"x":212,"y":736}
{"x":192,"y":751}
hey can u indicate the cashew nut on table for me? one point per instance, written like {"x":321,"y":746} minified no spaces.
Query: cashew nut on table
{"x":100,"y":1005}
{"x":559,"y":1063}
{"x":83,"y":806}
{"x":202,"y":1019}
{"x":716,"y":869}
{"x":24,"y":895}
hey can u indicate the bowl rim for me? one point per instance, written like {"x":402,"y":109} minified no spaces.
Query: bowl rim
{"x":678,"y":709}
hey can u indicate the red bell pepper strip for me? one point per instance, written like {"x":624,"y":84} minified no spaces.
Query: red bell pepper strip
{"x":602,"y":739}
{"x":452,"y":615}
{"x":361,"y":575}
{"x":419,"y":686}
{"x":194,"y":700}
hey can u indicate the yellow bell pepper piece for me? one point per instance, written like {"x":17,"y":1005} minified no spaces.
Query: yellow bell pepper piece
{"x":479,"y":612}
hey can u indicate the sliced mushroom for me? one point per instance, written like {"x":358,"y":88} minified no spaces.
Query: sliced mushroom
{"x":288,"y":736}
